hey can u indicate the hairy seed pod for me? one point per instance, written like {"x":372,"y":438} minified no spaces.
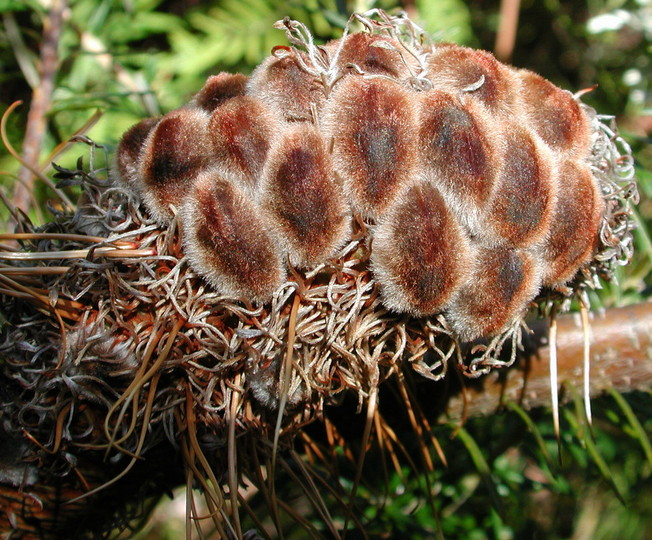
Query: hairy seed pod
{"x":127,"y":158}
{"x":302,"y":196}
{"x":228,"y":239}
{"x":371,"y":124}
{"x":219,"y":89}
{"x":240,"y":131}
{"x":524,"y":200}
{"x":474,"y":75}
{"x":458,"y":153}
{"x":369,"y":54}
{"x":419,"y":252}
{"x":574,"y":232}
{"x":286,"y":87}
{"x":555,"y":115}
{"x":501,"y":285}
{"x":174,"y":153}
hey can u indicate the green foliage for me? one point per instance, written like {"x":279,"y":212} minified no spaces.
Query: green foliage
{"x":446,"y":20}
{"x":237,"y":35}
{"x":13,"y":6}
{"x":500,"y":481}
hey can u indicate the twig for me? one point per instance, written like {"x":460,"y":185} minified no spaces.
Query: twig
{"x":5,"y":141}
{"x":41,"y":101}
{"x":506,"y":36}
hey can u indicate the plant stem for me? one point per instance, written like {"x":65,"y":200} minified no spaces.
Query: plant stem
{"x":40,"y":105}
{"x":506,"y":36}
{"x":621,"y":359}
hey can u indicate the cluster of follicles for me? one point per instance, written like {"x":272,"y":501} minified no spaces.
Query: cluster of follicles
{"x":471,"y":179}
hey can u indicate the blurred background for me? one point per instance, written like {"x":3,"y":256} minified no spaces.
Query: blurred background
{"x":98,"y":66}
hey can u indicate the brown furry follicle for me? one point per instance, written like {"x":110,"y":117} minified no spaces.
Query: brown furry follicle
{"x":228,"y":239}
{"x":501,"y":285}
{"x":175,"y":151}
{"x":555,"y":115}
{"x":419,"y":252}
{"x":575,"y":226}
{"x":127,"y":160}
{"x":219,"y":89}
{"x":283,"y":84}
{"x":369,"y":54}
{"x":241,"y":131}
{"x":522,"y":206}
{"x":303,"y":197}
{"x":476,"y":74}
{"x":457,"y":150}
{"x":372,"y":124}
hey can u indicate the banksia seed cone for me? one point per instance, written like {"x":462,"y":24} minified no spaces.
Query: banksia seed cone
{"x":373,"y":125}
{"x":344,"y":212}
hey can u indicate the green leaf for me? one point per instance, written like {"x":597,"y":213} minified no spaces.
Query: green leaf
{"x":532,"y":427}
{"x":578,"y":423}
{"x":125,"y":27}
{"x":447,"y":20}
{"x":639,"y":431}
{"x":7,"y":6}
{"x":480,"y":463}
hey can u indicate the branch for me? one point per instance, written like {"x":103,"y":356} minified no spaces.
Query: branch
{"x":621,"y":358}
{"x":506,"y":36}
